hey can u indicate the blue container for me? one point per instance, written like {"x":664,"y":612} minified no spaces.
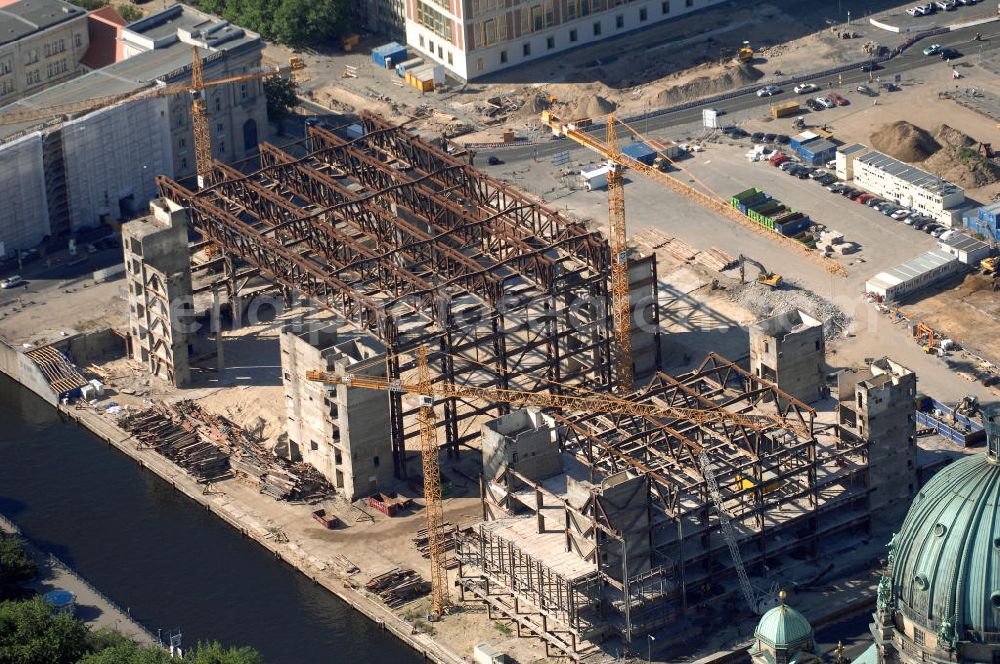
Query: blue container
{"x":816,"y":153}
{"x":797,"y":142}
{"x":640,"y":152}
{"x":389,"y":55}
{"x":793,"y":227}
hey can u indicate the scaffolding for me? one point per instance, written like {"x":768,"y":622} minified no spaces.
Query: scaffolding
{"x":412,"y":244}
{"x":784,"y":492}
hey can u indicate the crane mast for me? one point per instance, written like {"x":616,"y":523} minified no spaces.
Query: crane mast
{"x":432,"y":486}
{"x":619,"y":264}
{"x":199,"y":120}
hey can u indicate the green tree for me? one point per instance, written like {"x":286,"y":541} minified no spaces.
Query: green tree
{"x":311,"y":22}
{"x":281,"y":98}
{"x":128,"y":652}
{"x":129,"y":12}
{"x":16,"y":565}
{"x":214,"y":653}
{"x":32,"y":634}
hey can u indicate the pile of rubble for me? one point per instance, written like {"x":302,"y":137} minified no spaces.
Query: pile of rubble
{"x":212,"y":448}
{"x":764,"y":302}
{"x":831,"y":242}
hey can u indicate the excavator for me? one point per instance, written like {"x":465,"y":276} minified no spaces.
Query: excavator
{"x":745,"y":54}
{"x":765,"y":276}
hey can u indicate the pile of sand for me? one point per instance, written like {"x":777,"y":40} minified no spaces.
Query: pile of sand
{"x":949,"y":136}
{"x":732,"y":77}
{"x":963,"y":166}
{"x":591,"y":106}
{"x":904,"y":141}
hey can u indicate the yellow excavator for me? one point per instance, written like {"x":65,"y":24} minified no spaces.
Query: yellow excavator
{"x":990,"y":265}
{"x":765,"y":276}
{"x":745,"y":54}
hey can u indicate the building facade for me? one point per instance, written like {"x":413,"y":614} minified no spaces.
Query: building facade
{"x":985,"y":221}
{"x":384,"y":17}
{"x":341,"y":431}
{"x":790,"y":351}
{"x":41,"y":44}
{"x":474,"y":38}
{"x":915,"y":274}
{"x":903,"y":184}
{"x":133,"y":142}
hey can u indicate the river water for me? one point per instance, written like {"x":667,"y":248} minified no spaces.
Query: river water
{"x":170,"y":562}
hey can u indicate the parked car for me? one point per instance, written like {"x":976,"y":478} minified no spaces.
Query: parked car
{"x":849,"y":192}
{"x":826,"y":179}
{"x":494,"y":160}
{"x":870,"y":66}
{"x":769,"y":91}
{"x":814,"y":105}
{"x":782,"y":139}
{"x":836,"y":188}
{"x":757,"y":136}
{"x":915,"y":11}
{"x":824,"y":102}
{"x":900,"y":214}
{"x":945,"y":5}
{"x":769,"y":138}
{"x":930,"y":228}
{"x":890,"y":87}
{"x":939,"y":231}
{"x":803,"y":173}
{"x":874,"y":201}
{"x":12,"y":282}
{"x":787,"y":165}
{"x":947,"y":234}
{"x":919,"y":223}
{"x":933,"y":49}
{"x":865,"y":90}
{"x":817,"y":173}
{"x":837,"y":99}
{"x":950,"y":54}
{"x":804,"y":88}
{"x":861,"y":198}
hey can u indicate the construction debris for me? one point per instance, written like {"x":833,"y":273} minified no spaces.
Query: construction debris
{"x":212,"y":448}
{"x":715,"y":259}
{"x":448,"y":531}
{"x":398,"y":586}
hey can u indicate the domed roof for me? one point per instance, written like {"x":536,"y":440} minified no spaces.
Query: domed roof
{"x":784,"y":628}
{"x":947,"y":553}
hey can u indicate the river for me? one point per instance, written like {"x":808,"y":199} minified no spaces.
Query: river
{"x":170,"y":562}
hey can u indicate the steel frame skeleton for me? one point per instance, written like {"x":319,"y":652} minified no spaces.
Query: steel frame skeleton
{"x":784,"y":492}
{"x":415,"y":246}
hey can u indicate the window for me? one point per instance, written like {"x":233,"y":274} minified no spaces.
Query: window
{"x":536,"y":17}
{"x":918,"y":634}
{"x":5,"y":67}
{"x":643,"y":15}
{"x":337,"y":458}
{"x":77,"y":41}
{"x":503,"y":57}
{"x":525,"y":49}
{"x":572,"y":35}
{"x":597,"y":29}
{"x":375,"y":461}
{"x":665,"y":7}
{"x":434,"y":20}
{"x":619,"y":21}
{"x":430,"y":46}
{"x":421,"y":41}
{"x":243,"y":91}
{"x":219,"y":128}
{"x":689,"y":3}
{"x":440,"y":52}
{"x":222,"y":148}
{"x":61,"y":46}
{"x":218,"y":102}
{"x":550,"y":43}
{"x":33,"y":77}
{"x":817,"y":344}
{"x":313,"y":446}
{"x":479,"y":64}
{"x":32,"y":57}
{"x":450,"y":60}
{"x":182,"y":142}
{"x":48,"y":50}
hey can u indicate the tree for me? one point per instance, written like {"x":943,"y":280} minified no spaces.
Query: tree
{"x":214,"y":653}
{"x":30,"y":633}
{"x":16,"y":564}
{"x":129,"y":12}
{"x":311,"y":22}
{"x":128,"y":652}
{"x":281,"y":98}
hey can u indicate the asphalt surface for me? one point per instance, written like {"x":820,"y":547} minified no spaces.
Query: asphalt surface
{"x":913,"y":58}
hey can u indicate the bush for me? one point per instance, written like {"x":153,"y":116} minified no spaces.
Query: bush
{"x":130,"y":13}
{"x":16,"y":564}
{"x":292,"y":22}
{"x":30,"y":633}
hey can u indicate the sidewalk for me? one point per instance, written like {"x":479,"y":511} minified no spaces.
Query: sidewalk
{"x":92,"y":607}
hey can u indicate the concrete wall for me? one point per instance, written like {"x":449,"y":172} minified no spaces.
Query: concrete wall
{"x":112,"y":158}
{"x":524,"y":440}
{"x":19,"y":367}
{"x":24,"y":212}
{"x":790,"y":350}
{"x":88,"y":347}
{"x":343,"y":432}
{"x":624,"y":498}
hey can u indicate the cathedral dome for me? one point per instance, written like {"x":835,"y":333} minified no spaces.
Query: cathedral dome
{"x":784,"y":628}
{"x":946,"y":556}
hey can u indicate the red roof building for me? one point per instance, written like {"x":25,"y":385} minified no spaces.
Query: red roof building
{"x":104,"y":27}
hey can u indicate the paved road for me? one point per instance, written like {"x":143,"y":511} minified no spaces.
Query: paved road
{"x":960,"y":40}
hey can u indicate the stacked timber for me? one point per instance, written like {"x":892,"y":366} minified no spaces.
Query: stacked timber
{"x":715,"y":259}
{"x":448,"y":531}
{"x":398,"y":586}
{"x":678,"y":250}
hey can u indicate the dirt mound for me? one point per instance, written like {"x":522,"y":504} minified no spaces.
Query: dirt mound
{"x":904,"y":141}
{"x":593,"y":106}
{"x":949,"y":136}
{"x":963,"y":166}
{"x":731,"y":78}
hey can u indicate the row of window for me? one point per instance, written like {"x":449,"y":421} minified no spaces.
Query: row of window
{"x":492,"y":31}
{"x":6,"y":87}
{"x":440,"y":50}
{"x":434,"y":20}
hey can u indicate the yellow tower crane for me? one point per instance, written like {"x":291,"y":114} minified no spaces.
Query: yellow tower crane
{"x":199,"y":111}
{"x":704,"y":196}
{"x":428,"y":392}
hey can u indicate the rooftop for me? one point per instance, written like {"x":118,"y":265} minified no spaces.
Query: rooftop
{"x":167,"y":60}
{"x":20,"y":19}
{"x":963,"y":242}
{"x":852,"y":148}
{"x":911,"y":174}
{"x":913,"y":268}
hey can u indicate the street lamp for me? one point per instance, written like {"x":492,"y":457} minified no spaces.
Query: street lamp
{"x":649,"y":648}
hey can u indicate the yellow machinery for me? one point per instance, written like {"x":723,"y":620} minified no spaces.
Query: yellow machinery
{"x":745,"y":54}
{"x":199,"y":110}
{"x":990,"y":265}
{"x":765,"y":276}
{"x":428,"y":392}
{"x":349,"y":42}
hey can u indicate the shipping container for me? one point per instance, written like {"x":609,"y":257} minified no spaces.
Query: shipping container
{"x":388,"y":55}
{"x":816,"y":153}
{"x":784,"y":109}
{"x":640,"y":152}
{"x":802,"y":139}
{"x":595,"y":177}
{"x":403,"y":67}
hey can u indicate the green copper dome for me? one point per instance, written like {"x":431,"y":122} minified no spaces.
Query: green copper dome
{"x":947,"y":553}
{"x":784,"y":628}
